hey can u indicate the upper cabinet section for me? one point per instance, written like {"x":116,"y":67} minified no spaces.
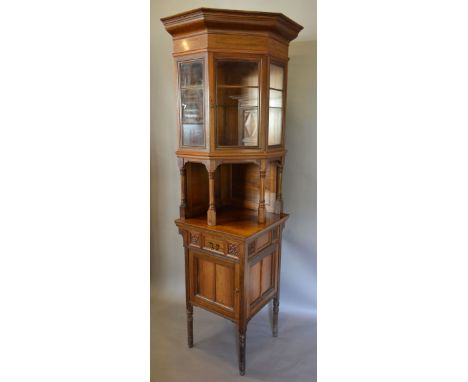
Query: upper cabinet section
{"x":231,"y":69}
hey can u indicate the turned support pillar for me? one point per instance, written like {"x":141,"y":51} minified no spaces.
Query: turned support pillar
{"x":183,"y":202}
{"x":261,"y":204}
{"x":279,"y":194}
{"x":211,"y":215}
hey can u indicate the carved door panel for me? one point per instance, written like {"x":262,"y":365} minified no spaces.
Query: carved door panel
{"x":214,"y":283}
{"x":262,"y":278}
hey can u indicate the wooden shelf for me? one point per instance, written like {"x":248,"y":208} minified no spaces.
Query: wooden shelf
{"x":221,"y":86}
{"x":238,"y":222}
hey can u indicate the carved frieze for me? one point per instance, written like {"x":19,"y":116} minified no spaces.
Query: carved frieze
{"x":233,"y":249}
{"x":195,"y":238}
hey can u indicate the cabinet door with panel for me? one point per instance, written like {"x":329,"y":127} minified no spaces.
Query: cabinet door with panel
{"x":214,"y":283}
{"x":192,"y":90}
{"x":262,"y":278}
{"x":237,"y":82}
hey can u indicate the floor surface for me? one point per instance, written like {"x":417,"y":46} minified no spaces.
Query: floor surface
{"x":291,"y":357}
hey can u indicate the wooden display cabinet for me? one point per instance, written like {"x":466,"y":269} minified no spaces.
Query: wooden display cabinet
{"x":231,"y":82}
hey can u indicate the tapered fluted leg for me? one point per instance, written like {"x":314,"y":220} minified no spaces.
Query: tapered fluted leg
{"x":275,"y":316}
{"x":241,"y":353}
{"x":190,"y":326}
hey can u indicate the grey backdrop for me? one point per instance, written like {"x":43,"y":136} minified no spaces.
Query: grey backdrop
{"x":298,"y":274}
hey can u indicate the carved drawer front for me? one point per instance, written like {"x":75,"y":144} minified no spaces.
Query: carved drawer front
{"x":214,"y":244}
{"x":233,"y":249}
{"x":262,"y":241}
{"x":195,"y":239}
{"x":275,"y":233}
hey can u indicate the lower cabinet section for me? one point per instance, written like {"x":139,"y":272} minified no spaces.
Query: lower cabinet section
{"x":232,"y":276}
{"x":214,"y":283}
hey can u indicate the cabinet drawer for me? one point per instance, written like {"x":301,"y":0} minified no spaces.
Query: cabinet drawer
{"x":214,"y":244}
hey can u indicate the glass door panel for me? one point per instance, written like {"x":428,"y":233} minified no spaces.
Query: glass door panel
{"x":276,"y":77}
{"x":275,"y":120}
{"x":191,"y":103}
{"x":237,"y":95}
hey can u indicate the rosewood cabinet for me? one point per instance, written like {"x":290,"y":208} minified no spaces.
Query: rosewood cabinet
{"x":231,"y":86}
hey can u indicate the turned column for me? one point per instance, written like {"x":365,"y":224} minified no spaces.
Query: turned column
{"x":212,"y":208}
{"x":183,"y":202}
{"x":261,"y":204}
{"x":279,"y":195}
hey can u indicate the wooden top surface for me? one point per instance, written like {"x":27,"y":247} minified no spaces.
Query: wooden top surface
{"x":240,"y":223}
{"x":213,"y":18}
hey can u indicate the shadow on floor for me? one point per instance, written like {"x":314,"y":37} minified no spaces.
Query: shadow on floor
{"x":292,"y":356}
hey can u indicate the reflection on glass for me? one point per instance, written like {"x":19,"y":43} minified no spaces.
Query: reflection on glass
{"x":191,"y":74}
{"x":237,"y":73}
{"x":274,"y":126}
{"x":237,"y":96}
{"x":276,"y":77}
{"x":276,"y":98}
{"x":275,"y":120}
{"x":193,"y":135}
{"x":191,"y":103}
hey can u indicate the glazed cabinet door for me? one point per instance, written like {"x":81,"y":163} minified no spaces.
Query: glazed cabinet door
{"x":236,"y":90}
{"x":191,"y":102}
{"x":277,"y":101}
{"x":214,"y":283}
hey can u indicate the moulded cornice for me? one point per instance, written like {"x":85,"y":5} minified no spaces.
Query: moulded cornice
{"x":215,"y":20}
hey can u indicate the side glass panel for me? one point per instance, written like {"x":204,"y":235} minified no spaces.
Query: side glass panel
{"x":191,"y":103}
{"x":275,"y":121}
{"x":237,"y":94}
